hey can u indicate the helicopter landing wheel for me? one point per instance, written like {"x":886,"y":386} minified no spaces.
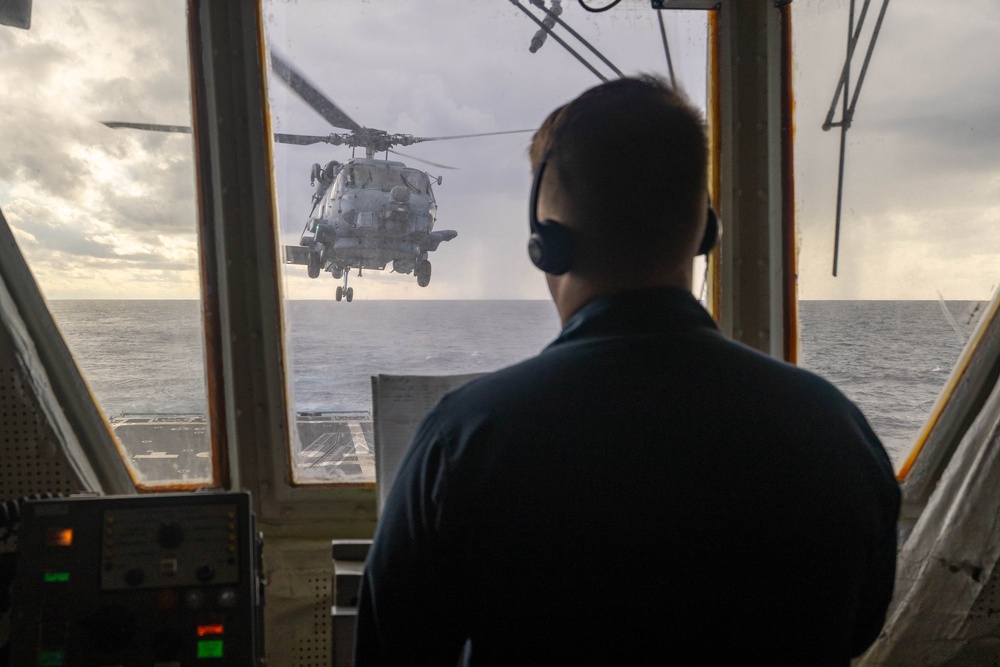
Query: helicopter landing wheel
{"x":423,"y":272}
{"x":349,"y":294}
{"x":337,"y":273}
{"x":314,"y":265}
{"x":340,"y":293}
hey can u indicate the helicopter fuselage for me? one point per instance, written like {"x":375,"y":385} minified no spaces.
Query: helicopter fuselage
{"x":368,"y":214}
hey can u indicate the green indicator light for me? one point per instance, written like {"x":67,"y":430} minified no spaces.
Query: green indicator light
{"x":52,"y":577}
{"x":210,"y":648}
{"x":50,"y":659}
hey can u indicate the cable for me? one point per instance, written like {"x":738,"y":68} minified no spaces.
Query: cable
{"x":598,"y":10}
{"x":561,"y":41}
{"x":555,"y":17}
{"x":666,"y":50}
{"x":703,"y":292}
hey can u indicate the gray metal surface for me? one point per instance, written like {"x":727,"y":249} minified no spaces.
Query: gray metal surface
{"x":944,"y":609}
{"x":751,"y":107}
{"x":170,"y":449}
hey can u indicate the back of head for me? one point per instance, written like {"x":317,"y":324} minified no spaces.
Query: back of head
{"x":629,"y":160}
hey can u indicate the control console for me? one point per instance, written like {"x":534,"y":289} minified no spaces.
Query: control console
{"x":170,"y":580}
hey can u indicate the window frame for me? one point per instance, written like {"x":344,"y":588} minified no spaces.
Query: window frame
{"x":247,"y":377}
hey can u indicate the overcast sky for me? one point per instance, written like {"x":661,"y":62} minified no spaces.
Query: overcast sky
{"x":101,"y":213}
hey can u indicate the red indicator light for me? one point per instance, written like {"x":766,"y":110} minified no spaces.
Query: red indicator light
{"x":205,"y":630}
{"x":166,"y":600}
{"x":59,"y":537}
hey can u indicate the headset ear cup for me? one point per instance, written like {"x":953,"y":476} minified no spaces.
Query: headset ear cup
{"x":713,"y":230}
{"x":551,"y":247}
{"x":536,"y":250}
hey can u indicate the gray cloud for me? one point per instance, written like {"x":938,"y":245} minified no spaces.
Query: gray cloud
{"x":36,"y":142}
{"x":67,"y":233}
{"x":38,"y":62}
{"x":167,"y":204}
{"x":922,"y":154}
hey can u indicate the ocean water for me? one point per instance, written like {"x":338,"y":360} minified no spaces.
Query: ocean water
{"x":142,"y":357}
{"x":892,"y":358}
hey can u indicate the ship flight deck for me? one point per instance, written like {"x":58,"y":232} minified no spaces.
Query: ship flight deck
{"x":174,"y":448}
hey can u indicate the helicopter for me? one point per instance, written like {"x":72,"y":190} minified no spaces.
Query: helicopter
{"x":366,"y":213}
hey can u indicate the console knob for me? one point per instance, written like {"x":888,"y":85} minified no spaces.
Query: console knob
{"x":227,"y":598}
{"x":205,"y":573}
{"x":170,"y":535}
{"x":134,"y":576}
{"x":194,"y":599}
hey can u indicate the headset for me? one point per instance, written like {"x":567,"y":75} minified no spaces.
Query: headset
{"x":551,"y":246}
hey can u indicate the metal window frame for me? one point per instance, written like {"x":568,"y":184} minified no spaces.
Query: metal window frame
{"x":247,"y":378}
{"x":750,"y":118}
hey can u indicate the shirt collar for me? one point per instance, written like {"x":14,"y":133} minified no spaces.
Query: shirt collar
{"x":648,"y":310}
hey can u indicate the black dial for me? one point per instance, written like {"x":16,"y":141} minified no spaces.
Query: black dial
{"x":170,"y":535}
{"x":205,"y":573}
{"x":134,"y":576}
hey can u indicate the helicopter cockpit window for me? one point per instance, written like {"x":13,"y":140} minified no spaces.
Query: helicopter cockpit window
{"x":338,"y":184}
{"x":97,"y":183}
{"x":415,"y":180}
{"x":918,"y":249}
{"x":412,"y":275}
{"x":359,"y":176}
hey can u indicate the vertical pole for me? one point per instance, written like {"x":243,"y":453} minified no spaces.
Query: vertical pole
{"x":666,"y":48}
{"x":845,"y":123}
{"x":714,"y":120}
{"x":789,"y":236}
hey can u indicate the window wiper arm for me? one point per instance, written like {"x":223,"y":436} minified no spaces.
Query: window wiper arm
{"x":409,"y":185}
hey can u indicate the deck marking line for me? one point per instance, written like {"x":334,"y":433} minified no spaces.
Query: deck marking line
{"x":321,"y":440}
{"x":364,"y":454}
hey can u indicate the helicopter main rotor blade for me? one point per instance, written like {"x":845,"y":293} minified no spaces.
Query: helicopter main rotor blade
{"x":416,"y":140}
{"x":420,"y":159}
{"x":312,"y":96}
{"x":114,"y":124}
{"x":301,"y":139}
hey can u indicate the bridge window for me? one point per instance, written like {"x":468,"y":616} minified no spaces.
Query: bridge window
{"x":919,"y":241}
{"x":106,"y":218}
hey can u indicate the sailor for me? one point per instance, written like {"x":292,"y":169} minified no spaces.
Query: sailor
{"x":323,"y":178}
{"x":645,"y":490}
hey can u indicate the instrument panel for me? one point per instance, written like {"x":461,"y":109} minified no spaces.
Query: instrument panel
{"x":167,"y":580}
